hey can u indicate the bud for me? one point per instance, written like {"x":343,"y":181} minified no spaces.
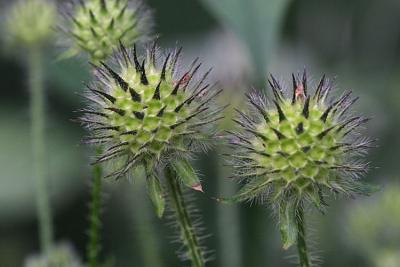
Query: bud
{"x":30,"y":22}
{"x":298,"y":148}
{"x":97,"y":26}
{"x":145,"y":113}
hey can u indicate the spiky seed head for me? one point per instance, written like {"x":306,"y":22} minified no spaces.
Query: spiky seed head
{"x":96,"y":27}
{"x":297,"y":147}
{"x":29,"y":22}
{"x":62,"y":255}
{"x":144,"y":110}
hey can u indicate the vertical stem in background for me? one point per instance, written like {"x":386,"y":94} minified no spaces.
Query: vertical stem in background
{"x":301,"y":239}
{"x":93,"y":247}
{"x":145,"y":228}
{"x":185,"y":223}
{"x":228,"y":225}
{"x":36,"y":84}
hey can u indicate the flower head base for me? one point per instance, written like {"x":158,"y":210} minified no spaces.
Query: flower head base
{"x":300,"y":146}
{"x":30,"y":22}
{"x":97,"y":27}
{"x":144,"y":112}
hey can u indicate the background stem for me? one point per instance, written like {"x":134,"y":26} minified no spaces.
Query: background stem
{"x":182,"y":215}
{"x":93,"y":248}
{"x":36,"y":84}
{"x":301,"y":239}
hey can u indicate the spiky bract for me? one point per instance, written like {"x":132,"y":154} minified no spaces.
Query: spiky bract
{"x":97,"y":26}
{"x":148,"y":113}
{"x":30,"y":22}
{"x":300,"y":146}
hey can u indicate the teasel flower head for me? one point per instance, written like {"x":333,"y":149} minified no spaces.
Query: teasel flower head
{"x":147,"y":113}
{"x":95,"y":27}
{"x":297,"y":148}
{"x":29,"y":22}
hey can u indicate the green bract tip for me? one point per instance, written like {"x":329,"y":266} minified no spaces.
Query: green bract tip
{"x":30,"y":22}
{"x":97,"y":26}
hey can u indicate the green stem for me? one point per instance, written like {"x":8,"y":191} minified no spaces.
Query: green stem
{"x":182,"y":215}
{"x":93,"y":248}
{"x":301,"y":239}
{"x":36,"y":85}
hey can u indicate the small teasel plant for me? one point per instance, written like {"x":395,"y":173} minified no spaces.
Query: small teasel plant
{"x":146,"y":114}
{"x":95,"y":27}
{"x":28,"y":26}
{"x":293,"y":150}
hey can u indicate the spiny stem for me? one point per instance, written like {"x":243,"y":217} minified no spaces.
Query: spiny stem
{"x":36,"y":85}
{"x":182,"y":215}
{"x":93,"y":247}
{"x":301,"y":239}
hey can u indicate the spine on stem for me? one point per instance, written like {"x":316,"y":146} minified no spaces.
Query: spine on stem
{"x":190,"y":240}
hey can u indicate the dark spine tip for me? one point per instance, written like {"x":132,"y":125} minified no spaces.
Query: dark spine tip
{"x":157,"y":92}
{"x":135,"y":59}
{"x":278,"y":134}
{"x":300,"y":128}
{"x":139,"y":115}
{"x":276,"y":88}
{"x":319,"y":88}
{"x":161,"y":112}
{"x":304,"y":81}
{"x":294,"y":88}
{"x":324,"y":133}
{"x":282,"y":116}
{"x":135,"y":95}
{"x":306,"y":109}
{"x":324,"y":116}
{"x":121,"y":82}
{"x":143,"y":77}
{"x":104,"y":95}
{"x":118,"y":111}
{"x":164,"y":68}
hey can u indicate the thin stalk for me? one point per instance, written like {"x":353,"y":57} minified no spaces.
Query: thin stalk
{"x":93,"y":247}
{"x":36,"y":84}
{"x":185,"y":223}
{"x":301,"y":239}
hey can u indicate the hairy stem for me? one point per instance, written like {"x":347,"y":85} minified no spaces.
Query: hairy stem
{"x":93,"y":247}
{"x":36,"y":85}
{"x":301,"y":239}
{"x":190,"y":239}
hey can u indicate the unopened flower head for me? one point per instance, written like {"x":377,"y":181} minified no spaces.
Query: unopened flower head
{"x":31,"y":22}
{"x":145,"y":110}
{"x":96,"y":27}
{"x":299,"y":146}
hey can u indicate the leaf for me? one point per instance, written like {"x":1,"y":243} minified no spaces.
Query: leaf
{"x":155,"y":191}
{"x":187,"y":174}
{"x":287,"y":223}
{"x":256,"y":22}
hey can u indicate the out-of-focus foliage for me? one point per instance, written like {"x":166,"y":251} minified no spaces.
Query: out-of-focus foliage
{"x":60,"y":256}
{"x":373,"y":227}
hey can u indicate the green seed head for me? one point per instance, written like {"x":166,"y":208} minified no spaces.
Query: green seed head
{"x":97,"y":26}
{"x":144,"y":111}
{"x":30,"y":22}
{"x":299,"y":146}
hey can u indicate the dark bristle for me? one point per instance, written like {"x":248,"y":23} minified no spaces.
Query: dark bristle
{"x":118,"y":111}
{"x":300,"y":128}
{"x":103,"y":5}
{"x":139,"y":115}
{"x":294,"y":88}
{"x":275,"y":88}
{"x":135,"y":95}
{"x":153,"y":53}
{"x":143,"y":77}
{"x":319,"y":88}
{"x":157,"y":92}
{"x":102,"y":94}
{"x":325,"y":132}
{"x":282,"y":116}
{"x":121,"y":82}
{"x":161,"y":112}
{"x":278,"y":134}
{"x":164,"y":68}
{"x":304,"y":82}
{"x":306,"y":109}
{"x":259,"y":108}
{"x":326,"y":113}
{"x":178,"y":84}
{"x":135,"y":59}
{"x":125,"y":54}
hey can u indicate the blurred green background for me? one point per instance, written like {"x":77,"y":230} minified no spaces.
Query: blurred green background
{"x":356,"y":41}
